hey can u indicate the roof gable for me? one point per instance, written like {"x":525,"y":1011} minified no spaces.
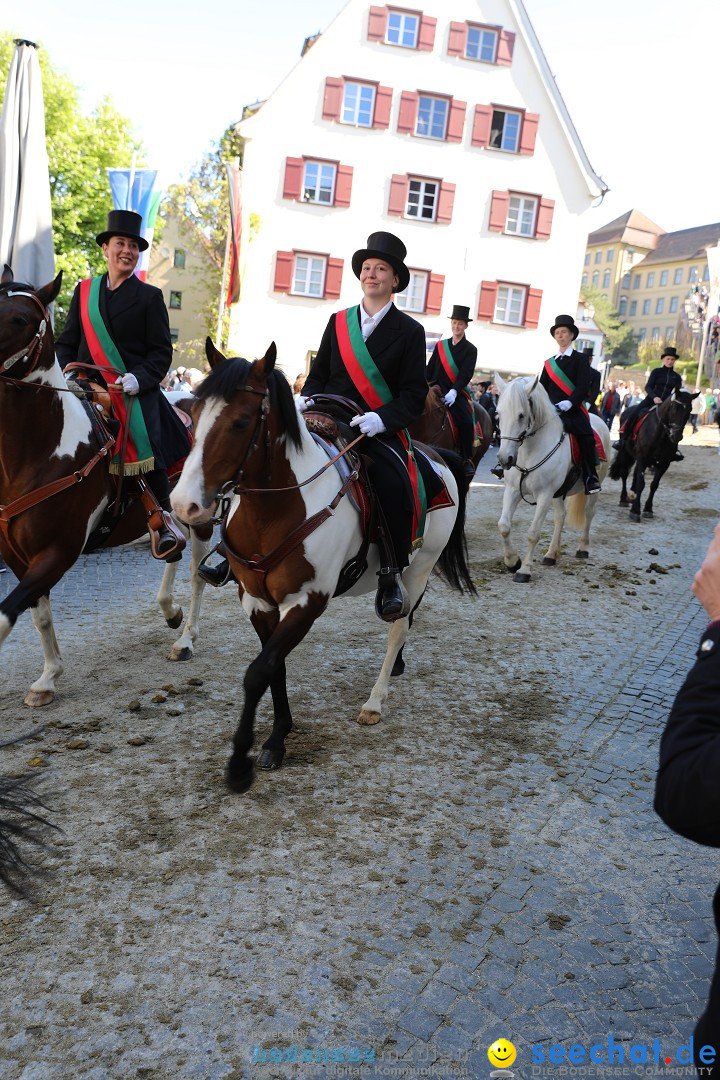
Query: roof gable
{"x":683,"y":245}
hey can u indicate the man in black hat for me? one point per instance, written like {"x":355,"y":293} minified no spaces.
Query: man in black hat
{"x":451,"y":367}
{"x":369,"y":346}
{"x":662,"y":382}
{"x":566,"y":377}
{"x":120,"y":325}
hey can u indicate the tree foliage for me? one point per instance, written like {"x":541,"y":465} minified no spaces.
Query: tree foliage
{"x":620,"y":342}
{"x":81,"y":148}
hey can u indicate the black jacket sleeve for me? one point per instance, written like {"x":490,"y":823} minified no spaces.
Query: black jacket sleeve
{"x":67,"y":344}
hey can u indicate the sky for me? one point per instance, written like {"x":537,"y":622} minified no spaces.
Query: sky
{"x":637,"y":76}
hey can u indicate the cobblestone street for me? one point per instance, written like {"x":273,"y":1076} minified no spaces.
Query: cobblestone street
{"x":485,"y":862}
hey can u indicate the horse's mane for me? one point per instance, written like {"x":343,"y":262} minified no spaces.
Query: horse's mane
{"x":518,"y":398}
{"x":226,"y":378}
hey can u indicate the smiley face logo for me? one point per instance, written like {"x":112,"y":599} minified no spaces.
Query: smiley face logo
{"x":502,"y":1053}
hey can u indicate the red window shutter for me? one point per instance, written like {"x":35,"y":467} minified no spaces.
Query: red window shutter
{"x":446,"y":201}
{"x":544,"y":218}
{"x":528,"y":133}
{"x":506,"y":44}
{"x":333,"y":278}
{"x":426,"y":33}
{"x":498,"y":211}
{"x":456,"y":121}
{"x":433,"y":300}
{"x":488,"y":297}
{"x":283,"y":271}
{"x":457,"y":39}
{"x":332,"y":99}
{"x":398,"y":195}
{"x":481,"y":125}
{"x":532,"y":308}
{"x":383,"y":104}
{"x":294,"y":169}
{"x":377,"y":23}
{"x":407,"y":118}
{"x":343,"y":185}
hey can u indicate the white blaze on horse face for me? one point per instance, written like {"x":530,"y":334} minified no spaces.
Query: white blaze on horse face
{"x":188,"y":500}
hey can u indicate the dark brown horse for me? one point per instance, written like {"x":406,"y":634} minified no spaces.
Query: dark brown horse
{"x":435,"y":427}
{"x":651,"y":445}
{"x":55,"y":483}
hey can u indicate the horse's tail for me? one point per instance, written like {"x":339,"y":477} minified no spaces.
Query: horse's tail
{"x":452,"y":565}
{"x":575,"y":508}
{"x":620,"y":465}
{"x":22,"y":828}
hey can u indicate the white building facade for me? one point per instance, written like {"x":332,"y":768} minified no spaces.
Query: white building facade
{"x":444,"y":126}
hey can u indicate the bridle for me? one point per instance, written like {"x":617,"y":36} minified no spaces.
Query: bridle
{"x":29,"y":353}
{"x":520,"y":439}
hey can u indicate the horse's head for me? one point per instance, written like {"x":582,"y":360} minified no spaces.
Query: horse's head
{"x":26,"y":341}
{"x":523,"y":406}
{"x":675,"y":413}
{"x":241,"y":414}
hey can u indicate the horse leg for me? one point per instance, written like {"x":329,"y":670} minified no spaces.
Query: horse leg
{"x":543,"y":505}
{"x":183,"y":648}
{"x":658,"y":473}
{"x":42,"y":692}
{"x":583,"y":548}
{"x":553,"y":552}
{"x":638,"y":485}
{"x":371,"y":710}
{"x":624,"y":501}
{"x":399,"y":665}
{"x":511,"y":498}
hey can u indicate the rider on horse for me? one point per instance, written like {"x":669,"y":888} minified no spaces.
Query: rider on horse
{"x":662,"y":383}
{"x":119,"y":325}
{"x":451,"y":367}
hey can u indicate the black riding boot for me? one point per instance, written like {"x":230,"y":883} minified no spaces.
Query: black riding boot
{"x":391,"y":601}
{"x":219,"y":574}
{"x":166,"y":540}
{"x":589,"y":468}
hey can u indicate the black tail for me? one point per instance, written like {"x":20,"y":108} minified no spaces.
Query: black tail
{"x":452,"y":565}
{"x":22,"y":830}
{"x":620,"y":466}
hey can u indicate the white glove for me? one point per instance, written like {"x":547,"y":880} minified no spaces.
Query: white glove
{"x":303,"y":403}
{"x":129,"y":384}
{"x":563,"y":406}
{"x":369,"y":423}
{"x":450,"y":397}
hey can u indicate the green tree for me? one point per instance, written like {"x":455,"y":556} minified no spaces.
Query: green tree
{"x":81,"y":148}
{"x":620,"y":343}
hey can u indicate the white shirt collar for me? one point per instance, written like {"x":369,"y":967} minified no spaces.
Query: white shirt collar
{"x":369,"y":322}
{"x":566,"y":352}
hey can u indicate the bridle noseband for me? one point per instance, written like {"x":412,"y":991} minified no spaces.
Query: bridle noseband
{"x":29,"y":353}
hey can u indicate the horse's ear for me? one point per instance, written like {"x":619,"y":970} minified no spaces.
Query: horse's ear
{"x":500,"y":383}
{"x":268,"y":360}
{"x":533,"y":385}
{"x":213,"y":356}
{"x":49,"y":292}
{"x":7,"y":275}
{"x":696,"y":394}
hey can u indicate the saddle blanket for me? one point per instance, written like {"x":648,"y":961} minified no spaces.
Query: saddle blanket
{"x":575,"y":448}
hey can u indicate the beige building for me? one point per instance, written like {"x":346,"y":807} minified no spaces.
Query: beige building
{"x":186,"y":275}
{"x":615,"y":249}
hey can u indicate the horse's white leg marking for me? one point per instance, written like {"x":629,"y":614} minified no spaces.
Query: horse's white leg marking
{"x":511,"y":498}
{"x":553,"y":552}
{"x":42,"y":692}
{"x":183,"y":648}
{"x":543,"y":505}
{"x":590,"y":508}
{"x":5,"y":628}
{"x":397,"y":636}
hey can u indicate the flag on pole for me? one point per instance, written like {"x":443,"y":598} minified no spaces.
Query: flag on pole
{"x":133,"y":189}
{"x":234,"y":179}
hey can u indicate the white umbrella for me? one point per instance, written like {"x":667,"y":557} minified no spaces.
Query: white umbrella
{"x":26,"y":242}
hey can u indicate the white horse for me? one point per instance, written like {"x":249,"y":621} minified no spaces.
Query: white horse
{"x":535,"y":453}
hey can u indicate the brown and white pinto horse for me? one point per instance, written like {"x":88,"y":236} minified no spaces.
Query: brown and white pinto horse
{"x":55,"y":483}
{"x":249,"y":439}
{"x":435,"y":428}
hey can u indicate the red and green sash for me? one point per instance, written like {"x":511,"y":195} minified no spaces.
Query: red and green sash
{"x":138,"y":455}
{"x":371,"y":386}
{"x":561,"y":379}
{"x":451,"y":370}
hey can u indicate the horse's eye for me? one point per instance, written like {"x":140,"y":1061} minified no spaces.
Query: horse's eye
{"x":521,"y":416}
{"x":241,"y":424}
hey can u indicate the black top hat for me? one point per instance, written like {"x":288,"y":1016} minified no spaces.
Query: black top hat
{"x":123,"y":223}
{"x":383,"y":245}
{"x":669,"y":350}
{"x":564,"y":320}
{"x":461,"y":312}
{"x":589,"y":352}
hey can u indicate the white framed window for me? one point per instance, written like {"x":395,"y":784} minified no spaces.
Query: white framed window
{"x":637,"y":281}
{"x":609,"y":256}
{"x":650,"y":279}
{"x":646,"y":307}
{"x":669,"y":333}
{"x":584,"y":278}
{"x":656,"y":333}
{"x":358,"y":104}
{"x":413,"y":298}
{"x":673,"y":305}
{"x":402,"y":29}
{"x":660,"y":305}
{"x":505,"y":131}
{"x":692,"y":274}
{"x":481,"y":44}
{"x":587,"y":258}
{"x":596,"y":277}
{"x":606,"y":279}
{"x":677,"y":276}
{"x":622,"y":309}
{"x":598,"y":256}
{"x":510,"y":305}
{"x":633,"y":307}
{"x":626,"y":280}
{"x":319,"y":182}
{"x":522,"y":211}
{"x":432,"y":117}
{"x":642,"y":333}
{"x":663,"y":277}
{"x":706,"y":273}
{"x":309,"y":275}
{"x":422,"y":199}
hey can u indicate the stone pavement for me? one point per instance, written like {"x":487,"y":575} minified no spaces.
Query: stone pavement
{"x":500,"y":877}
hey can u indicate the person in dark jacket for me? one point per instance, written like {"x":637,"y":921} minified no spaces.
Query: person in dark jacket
{"x":687,"y":793}
{"x":451,"y":367}
{"x":566,"y":377}
{"x":130,"y":316}
{"x":661,"y":383}
{"x":610,"y":404}
{"x":594,"y":387}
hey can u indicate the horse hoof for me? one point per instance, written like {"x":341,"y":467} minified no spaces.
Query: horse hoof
{"x":368,"y":717}
{"x":239,"y":779}
{"x":36,"y":698}
{"x":547,"y":561}
{"x":398,"y":666}
{"x":648,"y":513}
{"x":515,"y":566}
{"x":176,"y":620}
{"x":624,"y":502}
{"x":634,"y":516}
{"x":522,"y":578}
{"x":270,"y":759}
{"x":580,"y":554}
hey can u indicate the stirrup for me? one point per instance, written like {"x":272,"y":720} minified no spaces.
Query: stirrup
{"x":166,"y":540}
{"x":395,"y":606}
{"x":217,"y":576}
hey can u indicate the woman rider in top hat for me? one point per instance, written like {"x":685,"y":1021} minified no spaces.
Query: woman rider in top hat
{"x":452,"y":366}
{"x":127,"y":321}
{"x":663,"y":381}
